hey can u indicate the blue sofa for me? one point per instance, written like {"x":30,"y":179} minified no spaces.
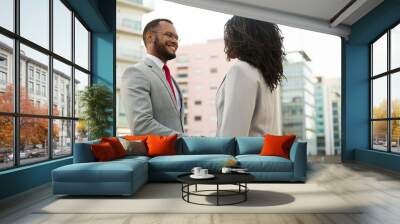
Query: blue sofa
{"x":125,"y":176}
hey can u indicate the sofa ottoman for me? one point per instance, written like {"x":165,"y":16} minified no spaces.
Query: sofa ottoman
{"x":119,"y":177}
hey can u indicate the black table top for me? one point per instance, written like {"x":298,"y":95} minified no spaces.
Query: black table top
{"x":220,"y":178}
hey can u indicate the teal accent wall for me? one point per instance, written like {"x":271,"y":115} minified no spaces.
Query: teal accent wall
{"x":100,"y":17}
{"x":355,"y":81}
{"x":24,"y":178}
{"x":103,"y":66}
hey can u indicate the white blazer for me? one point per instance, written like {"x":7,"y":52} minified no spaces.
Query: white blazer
{"x":245,"y":104}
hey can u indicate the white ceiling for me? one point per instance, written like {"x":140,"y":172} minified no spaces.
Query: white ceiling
{"x":315,"y":15}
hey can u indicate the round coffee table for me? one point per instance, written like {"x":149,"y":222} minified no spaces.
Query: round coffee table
{"x":238,"y":179}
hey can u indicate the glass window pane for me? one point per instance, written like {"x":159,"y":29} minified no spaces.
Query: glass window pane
{"x":379,"y":135}
{"x":379,"y":55}
{"x":81,"y":81}
{"x":6,"y":74}
{"x":33,"y":139}
{"x":62,"y":89}
{"x":395,"y":47}
{"x":35,"y":21}
{"x":7,"y":14}
{"x":62,"y":138}
{"x":81,"y":131}
{"x":395,"y":138}
{"x":395,"y":94}
{"x":6,"y":142}
{"x":379,"y":97}
{"x":34,"y":72}
{"x":81,"y":45}
{"x":62,"y":29}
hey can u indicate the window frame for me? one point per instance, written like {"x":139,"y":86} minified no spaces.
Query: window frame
{"x":16,"y":114}
{"x":388,"y":74}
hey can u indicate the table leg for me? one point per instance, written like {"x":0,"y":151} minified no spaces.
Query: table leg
{"x":217,"y":194}
{"x":196,"y":188}
{"x":245,"y":193}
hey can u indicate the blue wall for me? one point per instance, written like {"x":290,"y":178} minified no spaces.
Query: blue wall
{"x":355,"y":80}
{"x":100,"y":17}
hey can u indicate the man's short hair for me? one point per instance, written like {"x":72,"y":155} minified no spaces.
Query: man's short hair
{"x":151,"y":25}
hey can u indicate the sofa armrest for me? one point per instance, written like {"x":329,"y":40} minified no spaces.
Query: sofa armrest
{"x":298,"y":155}
{"x":83,"y":152}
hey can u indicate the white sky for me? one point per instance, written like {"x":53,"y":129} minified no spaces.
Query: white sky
{"x":198,"y":25}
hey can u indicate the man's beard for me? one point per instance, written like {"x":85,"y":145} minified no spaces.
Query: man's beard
{"x":162,"y":51}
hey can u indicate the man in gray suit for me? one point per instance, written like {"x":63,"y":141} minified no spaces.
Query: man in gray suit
{"x":150,"y":96}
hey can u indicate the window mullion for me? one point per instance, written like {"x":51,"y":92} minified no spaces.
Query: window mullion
{"x":389,"y":106}
{"x":16,"y":84}
{"x":50,"y":81}
{"x":73,"y":82}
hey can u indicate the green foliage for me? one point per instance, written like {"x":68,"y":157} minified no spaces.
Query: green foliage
{"x":96,"y":102}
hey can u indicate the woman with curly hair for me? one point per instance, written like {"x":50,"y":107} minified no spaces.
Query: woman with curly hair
{"x":247,"y":100}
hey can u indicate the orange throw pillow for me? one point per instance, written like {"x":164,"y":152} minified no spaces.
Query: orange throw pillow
{"x":103,"y":152}
{"x":116,"y":145}
{"x":277,"y":145}
{"x":161,"y":145}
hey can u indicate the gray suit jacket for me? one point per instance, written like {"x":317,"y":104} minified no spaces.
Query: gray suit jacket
{"x":149,"y":102}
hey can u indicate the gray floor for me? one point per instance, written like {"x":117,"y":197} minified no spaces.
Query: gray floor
{"x":379,"y":189}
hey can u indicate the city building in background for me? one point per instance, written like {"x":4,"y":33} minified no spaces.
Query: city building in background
{"x":297,"y":99}
{"x":130,"y":49}
{"x":328,"y":117}
{"x":199,"y":70}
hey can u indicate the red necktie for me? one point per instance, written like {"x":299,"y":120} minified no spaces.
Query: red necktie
{"x":168,"y":76}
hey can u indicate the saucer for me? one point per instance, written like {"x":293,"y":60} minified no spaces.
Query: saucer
{"x":208,"y":176}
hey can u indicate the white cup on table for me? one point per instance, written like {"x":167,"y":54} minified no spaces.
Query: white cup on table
{"x":203,"y":172}
{"x":196,"y":171}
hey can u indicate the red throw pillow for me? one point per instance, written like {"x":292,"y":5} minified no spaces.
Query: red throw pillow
{"x":103,"y":151}
{"x":116,"y":145}
{"x":161,"y":145}
{"x":277,"y":145}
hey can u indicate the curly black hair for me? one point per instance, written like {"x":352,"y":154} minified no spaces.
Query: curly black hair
{"x":258,"y":43}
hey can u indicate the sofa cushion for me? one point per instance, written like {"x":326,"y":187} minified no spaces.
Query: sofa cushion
{"x":185,"y":163}
{"x":249,"y":145}
{"x":206,"y":145}
{"x":257,"y":163}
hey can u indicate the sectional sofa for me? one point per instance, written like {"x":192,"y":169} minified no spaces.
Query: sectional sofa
{"x":125,"y":176}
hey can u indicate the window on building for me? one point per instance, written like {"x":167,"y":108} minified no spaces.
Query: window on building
{"x":385,"y":97}
{"x":56,"y":129}
{"x":213,"y":70}
{"x":3,"y":61}
{"x":38,"y":89}
{"x":30,"y":73}
{"x":197,"y":118}
{"x":197,"y":102}
{"x":3,"y":78}
{"x":43,"y":90}
{"x":182,"y":75}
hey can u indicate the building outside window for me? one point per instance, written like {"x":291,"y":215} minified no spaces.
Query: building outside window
{"x":385,"y":95}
